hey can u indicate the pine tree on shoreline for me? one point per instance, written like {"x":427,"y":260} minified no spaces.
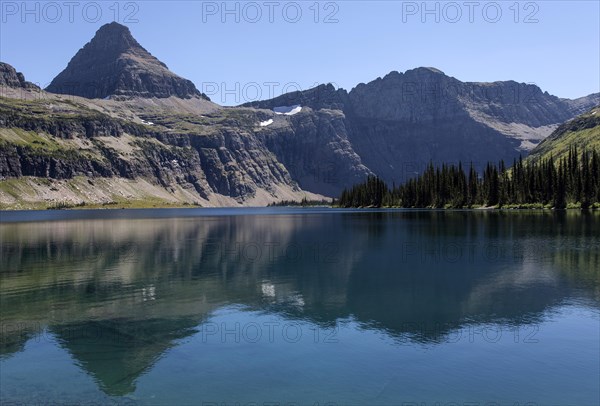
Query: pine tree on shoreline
{"x":573,"y":181}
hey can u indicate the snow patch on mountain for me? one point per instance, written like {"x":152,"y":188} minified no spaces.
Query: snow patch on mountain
{"x":288,"y":110}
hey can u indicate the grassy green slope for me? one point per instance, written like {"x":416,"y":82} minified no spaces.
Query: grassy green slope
{"x":583,"y":132}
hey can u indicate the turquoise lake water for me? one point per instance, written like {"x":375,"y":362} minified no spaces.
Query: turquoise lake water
{"x":299,"y":307}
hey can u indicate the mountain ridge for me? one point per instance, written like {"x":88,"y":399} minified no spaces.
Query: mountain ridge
{"x":400,"y":122}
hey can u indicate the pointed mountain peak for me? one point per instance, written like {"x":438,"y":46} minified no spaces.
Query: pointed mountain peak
{"x":113,"y":63}
{"x":113,"y":28}
{"x":115,"y":37}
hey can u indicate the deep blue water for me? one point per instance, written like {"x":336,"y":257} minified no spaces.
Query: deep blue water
{"x":300,"y":306}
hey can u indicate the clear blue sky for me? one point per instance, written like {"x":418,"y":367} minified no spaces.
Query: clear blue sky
{"x":554,"y":44}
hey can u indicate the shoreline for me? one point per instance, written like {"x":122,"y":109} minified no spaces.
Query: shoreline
{"x":119,"y":207}
{"x":8,"y":217}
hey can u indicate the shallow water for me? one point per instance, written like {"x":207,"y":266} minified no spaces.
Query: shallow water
{"x":300,"y":306}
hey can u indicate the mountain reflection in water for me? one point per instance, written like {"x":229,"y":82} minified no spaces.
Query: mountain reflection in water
{"x":118,"y":294}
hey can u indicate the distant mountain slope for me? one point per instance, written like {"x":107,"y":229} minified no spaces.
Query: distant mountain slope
{"x":113,"y":63}
{"x":583,"y":132}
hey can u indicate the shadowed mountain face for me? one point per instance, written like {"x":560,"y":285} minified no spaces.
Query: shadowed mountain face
{"x":113,"y":63}
{"x":118,"y":294}
{"x":399,"y":123}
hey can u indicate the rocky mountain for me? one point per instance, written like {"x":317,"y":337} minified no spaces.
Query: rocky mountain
{"x":582,"y":132}
{"x":9,"y":77}
{"x":113,"y":63}
{"x":132,"y":132}
{"x":399,"y":123}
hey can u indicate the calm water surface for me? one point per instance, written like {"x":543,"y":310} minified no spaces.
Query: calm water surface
{"x":307,"y":306}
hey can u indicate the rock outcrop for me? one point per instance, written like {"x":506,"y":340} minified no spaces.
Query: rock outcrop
{"x":9,"y":77}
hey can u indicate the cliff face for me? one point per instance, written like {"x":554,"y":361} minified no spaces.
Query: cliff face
{"x":211,"y":157}
{"x":229,"y":161}
{"x":113,"y":63}
{"x":315,"y":148}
